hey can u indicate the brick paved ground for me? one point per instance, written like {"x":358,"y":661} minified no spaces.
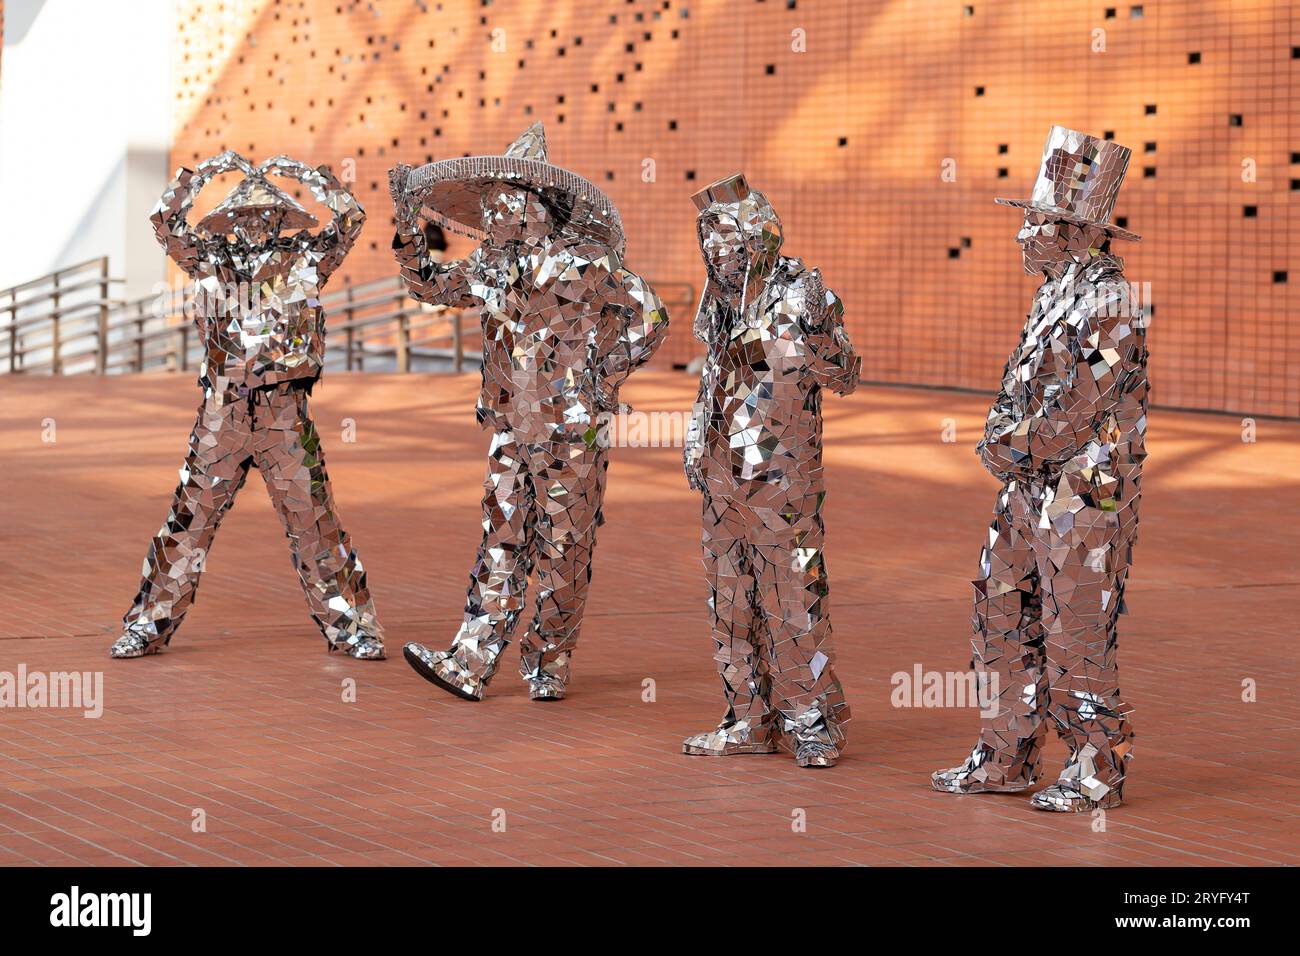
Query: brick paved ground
{"x":243,"y":717}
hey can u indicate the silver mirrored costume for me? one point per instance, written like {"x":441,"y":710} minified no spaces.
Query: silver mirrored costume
{"x":257,"y":307}
{"x":776,"y":341}
{"x":1066,"y":437}
{"x":564,"y":323}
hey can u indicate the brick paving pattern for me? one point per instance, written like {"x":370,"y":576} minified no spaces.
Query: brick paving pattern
{"x":244,"y":718}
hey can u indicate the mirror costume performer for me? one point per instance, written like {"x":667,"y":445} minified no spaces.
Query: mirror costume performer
{"x":564,"y":324}
{"x":776,"y":341}
{"x":1065,"y":436}
{"x":256,"y":287}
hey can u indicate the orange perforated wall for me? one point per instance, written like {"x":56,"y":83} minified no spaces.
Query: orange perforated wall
{"x":845,"y":114}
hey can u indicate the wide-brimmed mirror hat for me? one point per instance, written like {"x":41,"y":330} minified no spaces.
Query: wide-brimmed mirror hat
{"x":453,"y":189}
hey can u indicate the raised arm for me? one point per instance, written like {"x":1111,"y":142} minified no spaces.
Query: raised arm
{"x":178,"y":239}
{"x":832,"y":361}
{"x":1072,"y":399}
{"x":438,"y":283}
{"x":339,"y":235}
{"x":645,"y":325}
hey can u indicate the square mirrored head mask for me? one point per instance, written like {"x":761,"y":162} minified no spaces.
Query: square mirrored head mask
{"x":1047,"y":243}
{"x":726,"y":254}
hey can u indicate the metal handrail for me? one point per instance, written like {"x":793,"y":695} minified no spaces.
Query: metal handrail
{"x":107,"y":334}
{"x":66,"y":270}
{"x":62,"y":294}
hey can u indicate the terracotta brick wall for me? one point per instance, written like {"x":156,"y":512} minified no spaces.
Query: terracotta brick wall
{"x":848,"y":139}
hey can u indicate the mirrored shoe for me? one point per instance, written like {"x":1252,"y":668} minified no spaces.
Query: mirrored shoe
{"x":546,"y":672}
{"x":736,"y":738}
{"x":1086,"y":783}
{"x":814,"y":753}
{"x":361,"y":648}
{"x":133,"y":645}
{"x":443,"y":670}
{"x":546,"y":688}
{"x":980,"y":775}
{"x":1060,"y":798}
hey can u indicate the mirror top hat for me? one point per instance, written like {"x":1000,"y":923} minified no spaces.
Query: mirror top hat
{"x":452,"y":189}
{"x":729,"y":189}
{"x":1079,"y":180}
{"x":256,"y":197}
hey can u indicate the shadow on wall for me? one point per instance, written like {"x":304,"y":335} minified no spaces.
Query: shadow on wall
{"x":848,"y":134}
{"x":129,"y":182}
{"x":19,"y":15}
{"x":86,"y":125}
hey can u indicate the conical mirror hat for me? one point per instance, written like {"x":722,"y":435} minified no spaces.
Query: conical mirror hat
{"x":253,"y":197}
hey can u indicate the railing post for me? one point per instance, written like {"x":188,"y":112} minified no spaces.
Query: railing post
{"x":101,"y":339}
{"x":139,"y":337}
{"x":56,"y":359}
{"x":403,"y":342}
{"x":352,"y":335}
{"x":13,"y":330}
{"x":186,"y":326}
{"x":457,"y":358}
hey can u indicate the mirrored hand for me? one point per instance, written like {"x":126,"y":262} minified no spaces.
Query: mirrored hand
{"x":814,"y":320}
{"x":283,"y":165}
{"x":691,"y":455}
{"x":398,"y":177}
{"x":225,"y":162}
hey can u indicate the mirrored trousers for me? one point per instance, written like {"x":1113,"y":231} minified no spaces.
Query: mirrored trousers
{"x":541,"y":508}
{"x":769,"y":597}
{"x":1047,"y":603}
{"x":270,"y":429}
